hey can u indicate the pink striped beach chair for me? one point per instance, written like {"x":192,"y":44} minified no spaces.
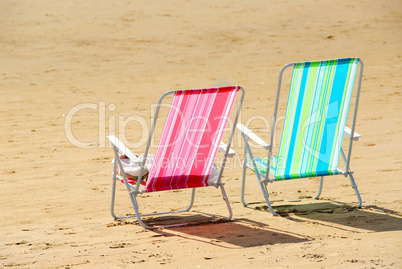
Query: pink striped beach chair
{"x":186,"y":153}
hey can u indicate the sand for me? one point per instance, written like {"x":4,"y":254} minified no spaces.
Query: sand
{"x":106,"y":62}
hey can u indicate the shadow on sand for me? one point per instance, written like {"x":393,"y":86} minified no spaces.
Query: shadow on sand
{"x":371,"y":218}
{"x":236,"y":233}
{"x":243,"y":233}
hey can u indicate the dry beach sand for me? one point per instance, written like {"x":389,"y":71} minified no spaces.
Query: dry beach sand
{"x":110,"y":60}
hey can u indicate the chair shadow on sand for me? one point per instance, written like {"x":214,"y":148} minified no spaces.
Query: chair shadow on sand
{"x":236,"y":233}
{"x":244,"y":233}
{"x":340,"y":215}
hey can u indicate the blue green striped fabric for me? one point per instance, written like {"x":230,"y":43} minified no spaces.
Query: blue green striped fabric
{"x":261,"y":164}
{"x":315,"y":119}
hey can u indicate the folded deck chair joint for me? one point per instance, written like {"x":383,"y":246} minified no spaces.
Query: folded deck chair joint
{"x":314,"y":125}
{"x":184,"y":159}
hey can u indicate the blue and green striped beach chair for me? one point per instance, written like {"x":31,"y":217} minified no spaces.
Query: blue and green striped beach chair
{"x":314,"y":126}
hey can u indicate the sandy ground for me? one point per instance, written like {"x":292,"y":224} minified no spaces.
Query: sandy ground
{"x":106,"y":62}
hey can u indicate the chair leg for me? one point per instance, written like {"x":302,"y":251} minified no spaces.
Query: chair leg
{"x":320,"y":188}
{"x":114,"y":199}
{"x":134,"y":203}
{"x":191,"y":201}
{"x":352,"y":180}
{"x":139,"y":216}
{"x":243,"y":182}
{"x":264,"y":189}
{"x":135,"y":206}
{"x":263,"y":183}
{"x":226,"y":199}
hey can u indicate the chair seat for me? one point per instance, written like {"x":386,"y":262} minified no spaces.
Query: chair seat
{"x":133,"y":181}
{"x":261,"y":164}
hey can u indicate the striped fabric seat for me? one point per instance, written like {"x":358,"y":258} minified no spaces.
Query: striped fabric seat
{"x":189,"y":143}
{"x":261,"y":164}
{"x":315,"y":119}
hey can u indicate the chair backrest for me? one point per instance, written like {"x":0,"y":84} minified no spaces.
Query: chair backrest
{"x":190,"y":138}
{"x":315,"y":118}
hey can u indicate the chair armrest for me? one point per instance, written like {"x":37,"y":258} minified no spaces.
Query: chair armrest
{"x":121,"y":147}
{"x":252,"y":136}
{"x":348,"y":133}
{"x":223,"y":147}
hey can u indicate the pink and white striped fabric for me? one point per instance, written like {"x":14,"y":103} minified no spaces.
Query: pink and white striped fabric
{"x":190,"y":139}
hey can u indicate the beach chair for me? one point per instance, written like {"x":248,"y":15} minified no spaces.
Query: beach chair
{"x":313,"y":128}
{"x":186,"y":153}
